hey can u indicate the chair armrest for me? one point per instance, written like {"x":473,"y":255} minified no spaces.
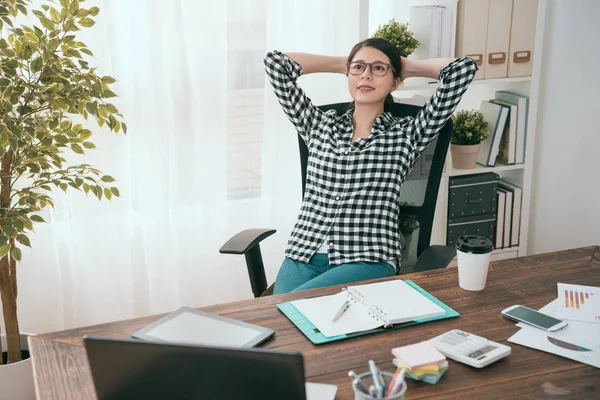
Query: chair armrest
{"x":248,"y":243}
{"x":243,"y":241}
{"x":435,"y":257}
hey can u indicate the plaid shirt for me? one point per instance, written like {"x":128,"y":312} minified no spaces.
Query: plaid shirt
{"x":351,"y":198}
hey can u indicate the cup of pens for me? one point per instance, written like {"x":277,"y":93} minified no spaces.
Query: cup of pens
{"x":376,"y":384}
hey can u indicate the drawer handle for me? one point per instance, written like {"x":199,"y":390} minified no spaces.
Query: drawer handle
{"x":478,"y":58}
{"x":521,"y":56}
{"x":497,"y":58}
{"x":479,"y":200}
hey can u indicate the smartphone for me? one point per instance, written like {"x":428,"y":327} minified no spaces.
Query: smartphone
{"x":534,"y":318}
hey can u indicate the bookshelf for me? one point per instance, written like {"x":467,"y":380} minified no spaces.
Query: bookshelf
{"x":519,"y":174}
{"x":432,"y":86}
{"x":480,"y":169}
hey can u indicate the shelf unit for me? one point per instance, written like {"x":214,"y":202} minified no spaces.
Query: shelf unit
{"x":520,"y":174}
{"x":432,"y":86}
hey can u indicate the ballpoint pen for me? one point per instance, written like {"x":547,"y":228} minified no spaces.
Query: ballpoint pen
{"x":377,"y":380}
{"x":342,"y":309}
{"x":360,"y":385}
{"x":396,"y":382}
{"x":373,"y":392}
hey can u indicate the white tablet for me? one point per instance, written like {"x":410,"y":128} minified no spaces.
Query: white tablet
{"x":191,"y":326}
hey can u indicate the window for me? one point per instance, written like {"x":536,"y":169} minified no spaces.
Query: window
{"x":245,"y":103}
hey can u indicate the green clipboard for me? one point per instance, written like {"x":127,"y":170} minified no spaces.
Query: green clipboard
{"x":315,"y":336}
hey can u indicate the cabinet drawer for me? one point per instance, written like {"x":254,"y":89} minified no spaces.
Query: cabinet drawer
{"x":472,"y":195}
{"x":480,"y":225}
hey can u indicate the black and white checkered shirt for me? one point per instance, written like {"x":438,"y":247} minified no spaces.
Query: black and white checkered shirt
{"x":351,"y":198}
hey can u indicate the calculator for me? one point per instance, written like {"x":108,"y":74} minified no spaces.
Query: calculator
{"x":469,"y":349}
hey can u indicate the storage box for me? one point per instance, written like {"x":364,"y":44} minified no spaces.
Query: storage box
{"x":471,"y":195}
{"x":472,"y":206}
{"x":480,"y":225}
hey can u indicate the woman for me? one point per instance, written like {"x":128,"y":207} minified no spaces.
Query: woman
{"x":347,"y":229}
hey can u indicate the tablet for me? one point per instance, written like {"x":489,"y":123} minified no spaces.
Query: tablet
{"x":191,"y":326}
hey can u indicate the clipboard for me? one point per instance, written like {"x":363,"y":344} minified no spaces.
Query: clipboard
{"x":315,"y":336}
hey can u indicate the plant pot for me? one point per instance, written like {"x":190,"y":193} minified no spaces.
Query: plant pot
{"x":16,"y":379}
{"x":464,"y":156}
{"x":408,"y":242}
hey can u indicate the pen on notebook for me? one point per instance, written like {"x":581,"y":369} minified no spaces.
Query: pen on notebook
{"x":342,"y":309}
{"x":359,"y":384}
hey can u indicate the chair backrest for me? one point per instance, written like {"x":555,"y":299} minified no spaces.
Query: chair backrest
{"x":419,"y":192}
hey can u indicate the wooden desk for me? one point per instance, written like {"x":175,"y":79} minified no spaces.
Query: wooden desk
{"x":62,"y":372}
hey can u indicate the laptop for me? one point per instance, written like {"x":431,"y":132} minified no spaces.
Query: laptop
{"x":134,"y":369}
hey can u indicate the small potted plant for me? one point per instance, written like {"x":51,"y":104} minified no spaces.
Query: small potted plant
{"x":407,"y":226}
{"x":470,"y":129}
{"x":399,"y":35}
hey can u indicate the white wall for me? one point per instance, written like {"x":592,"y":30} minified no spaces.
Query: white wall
{"x":565,"y":203}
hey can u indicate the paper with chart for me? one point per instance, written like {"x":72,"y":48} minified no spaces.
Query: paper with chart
{"x":320,"y":311}
{"x":579,"y":303}
{"x":579,"y":341}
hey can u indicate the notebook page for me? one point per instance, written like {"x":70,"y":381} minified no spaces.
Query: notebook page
{"x":320,"y":311}
{"x":398,"y":301}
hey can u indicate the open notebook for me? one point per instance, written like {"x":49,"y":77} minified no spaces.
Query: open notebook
{"x":372,"y":306}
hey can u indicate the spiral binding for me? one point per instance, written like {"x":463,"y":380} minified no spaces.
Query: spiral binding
{"x":374,"y":311}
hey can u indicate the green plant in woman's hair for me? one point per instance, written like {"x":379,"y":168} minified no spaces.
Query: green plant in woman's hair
{"x":399,"y":35}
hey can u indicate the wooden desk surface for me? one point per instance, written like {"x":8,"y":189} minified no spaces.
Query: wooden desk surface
{"x":62,"y":372}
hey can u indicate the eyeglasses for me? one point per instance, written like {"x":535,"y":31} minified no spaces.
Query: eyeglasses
{"x":378,"y":68}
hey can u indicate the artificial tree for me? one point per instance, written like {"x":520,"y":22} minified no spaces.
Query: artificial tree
{"x":45,"y":82}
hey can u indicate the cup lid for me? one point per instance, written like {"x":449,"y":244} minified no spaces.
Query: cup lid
{"x":474,"y":244}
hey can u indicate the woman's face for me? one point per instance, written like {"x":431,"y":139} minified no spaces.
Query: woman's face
{"x":370,"y":76}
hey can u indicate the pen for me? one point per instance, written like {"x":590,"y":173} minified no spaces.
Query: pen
{"x":342,"y":309}
{"x":373,"y":392}
{"x":361,"y":386}
{"x":396,"y":382}
{"x":379,"y":386}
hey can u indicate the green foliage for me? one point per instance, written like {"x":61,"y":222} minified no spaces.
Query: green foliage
{"x":470,"y":127}
{"x":45,"y":79}
{"x":399,"y":35}
{"x":407,"y":225}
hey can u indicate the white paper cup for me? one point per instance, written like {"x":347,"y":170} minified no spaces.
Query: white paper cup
{"x":473,"y":254}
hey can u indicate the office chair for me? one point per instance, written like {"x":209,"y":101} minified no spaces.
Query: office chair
{"x":418,"y":197}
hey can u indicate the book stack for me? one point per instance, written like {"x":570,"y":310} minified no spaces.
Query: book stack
{"x":506,"y":115}
{"x":508,"y":223}
{"x":421,"y":361}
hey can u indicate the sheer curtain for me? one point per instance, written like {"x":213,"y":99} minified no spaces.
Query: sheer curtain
{"x":189,"y":74}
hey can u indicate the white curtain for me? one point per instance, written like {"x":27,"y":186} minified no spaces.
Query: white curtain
{"x":181,"y":66}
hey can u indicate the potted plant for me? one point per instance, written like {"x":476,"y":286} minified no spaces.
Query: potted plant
{"x":44,"y":80}
{"x":398,"y":34}
{"x":470,"y":129}
{"x":407,"y":226}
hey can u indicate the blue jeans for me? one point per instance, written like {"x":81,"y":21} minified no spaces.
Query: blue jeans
{"x":295,"y":275}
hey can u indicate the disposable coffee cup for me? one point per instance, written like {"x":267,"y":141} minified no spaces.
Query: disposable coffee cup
{"x":473,"y":254}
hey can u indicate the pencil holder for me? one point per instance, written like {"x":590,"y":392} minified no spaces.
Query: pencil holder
{"x":367,"y":380}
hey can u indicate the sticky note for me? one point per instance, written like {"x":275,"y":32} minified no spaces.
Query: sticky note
{"x":418,"y":355}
